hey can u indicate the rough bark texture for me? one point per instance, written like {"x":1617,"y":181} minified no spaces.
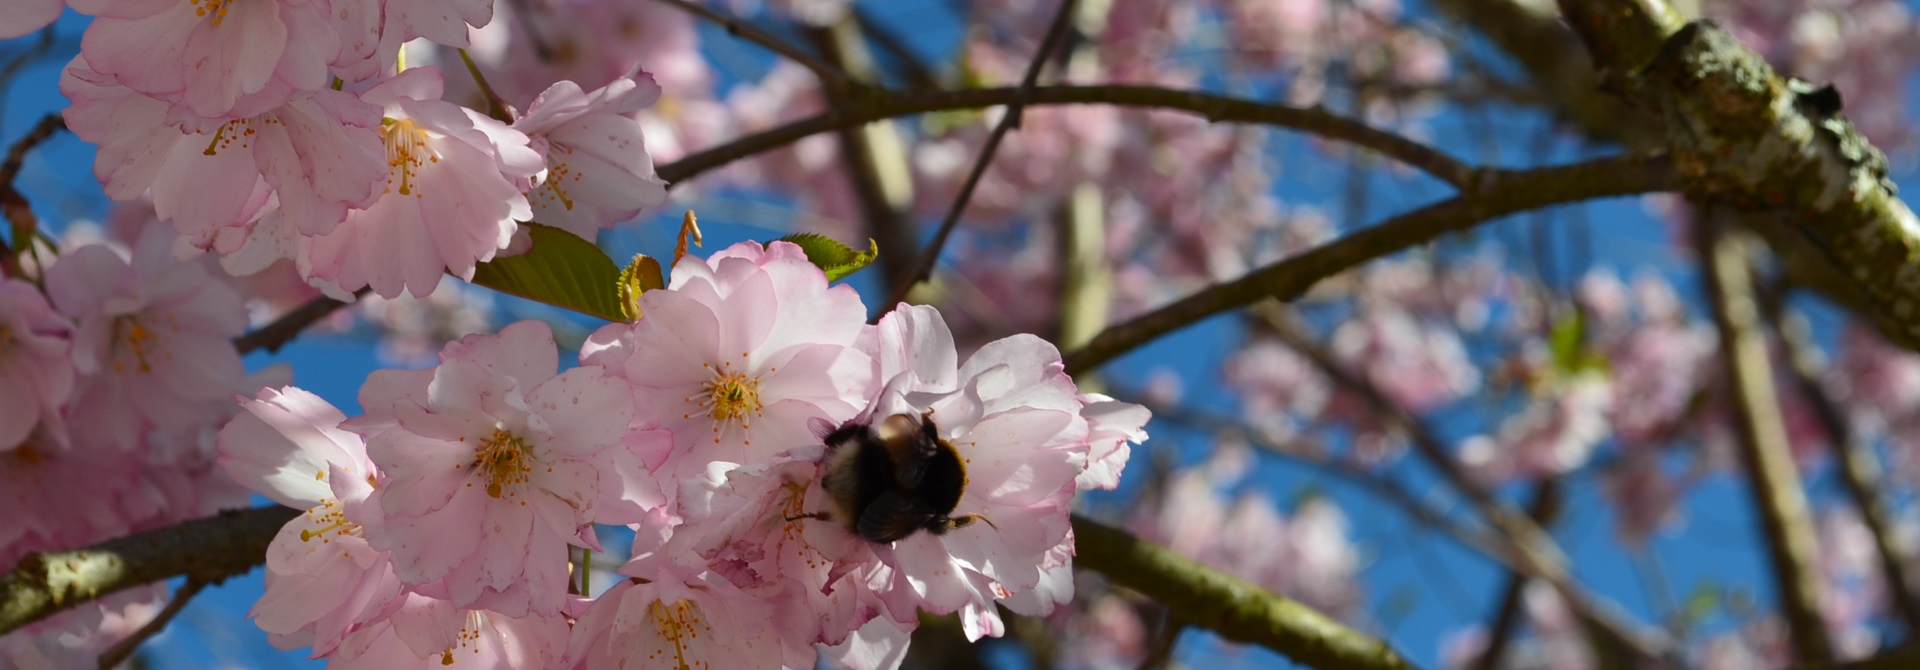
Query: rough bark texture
{"x":207,"y":550}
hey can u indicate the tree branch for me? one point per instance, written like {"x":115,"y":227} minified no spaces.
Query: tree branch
{"x":122,"y":650}
{"x":828,"y":74}
{"x":207,"y":550}
{"x":1218,"y":108}
{"x":1056,"y":33}
{"x":874,"y":156}
{"x":13,"y":205}
{"x":1747,"y":137}
{"x":289,"y":325}
{"x":1778,"y":496}
{"x":1506,"y":620}
{"x":1526,"y":546}
{"x":1858,"y":466}
{"x":1230,"y":607}
{"x":1499,"y":193}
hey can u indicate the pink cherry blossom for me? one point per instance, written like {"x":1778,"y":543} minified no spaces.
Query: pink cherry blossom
{"x":493,"y":466}
{"x":450,"y":200}
{"x":1111,"y":426}
{"x":319,"y":152}
{"x":372,"y":31}
{"x":662,"y":618}
{"x":27,"y":16}
{"x":154,"y":337}
{"x":598,"y":170}
{"x":741,"y":354}
{"x":37,"y":481}
{"x":323,"y":578}
{"x":77,"y":638}
{"x":425,"y":633}
{"x":749,"y":525}
{"x":217,"y":58}
{"x":36,"y":376}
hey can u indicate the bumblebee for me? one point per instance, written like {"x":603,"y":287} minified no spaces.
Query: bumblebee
{"x":889,"y":480}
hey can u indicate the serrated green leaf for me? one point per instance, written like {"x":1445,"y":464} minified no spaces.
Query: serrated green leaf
{"x":560,"y":270}
{"x":836,"y":259}
{"x":642,"y":275}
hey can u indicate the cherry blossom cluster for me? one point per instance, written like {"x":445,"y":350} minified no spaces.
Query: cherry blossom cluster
{"x":290,"y":130}
{"x":440,"y":523}
{"x":118,"y":370}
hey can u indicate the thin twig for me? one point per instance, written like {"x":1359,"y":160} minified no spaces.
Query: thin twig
{"x":873,"y":155}
{"x":918,"y":75}
{"x":1544,"y":508}
{"x":921,"y":269}
{"x":14,"y":205}
{"x":1161,"y":653}
{"x":282,"y":330}
{"x":1529,"y":548}
{"x":1778,"y":498}
{"x":496,"y":107}
{"x":1381,"y":484}
{"x":122,"y":650}
{"x":17,"y":155}
{"x":827,"y":73}
{"x":1216,"y":108}
{"x":1503,"y":192}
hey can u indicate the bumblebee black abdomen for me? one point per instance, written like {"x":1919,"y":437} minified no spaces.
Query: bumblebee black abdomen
{"x":943,"y":482}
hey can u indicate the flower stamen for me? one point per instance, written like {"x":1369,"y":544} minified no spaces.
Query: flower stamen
{"x":407,"y":151}
{"x":506,"y":459}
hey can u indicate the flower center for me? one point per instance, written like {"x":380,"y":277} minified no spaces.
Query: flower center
{"x":731,"y":394}
{"x":506,"y":459}
{"x":216,"y":9}
{"x":407,"y":151}
{"x":467,"y":638}
{"x":329,"y":517}
{"x":236,"y":132}
{"x":557,"y":171}
{"x":679,"y":625}
{"x":140,"y":339}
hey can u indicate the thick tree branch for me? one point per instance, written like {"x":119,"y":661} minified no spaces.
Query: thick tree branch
{"x":1746,"y":137}
{"x":1228,"y":606}
{"x":1218,"y":108}
{"x":1777,"y":492}
{"x":207,"y":550}
{"x":1498,"y":193}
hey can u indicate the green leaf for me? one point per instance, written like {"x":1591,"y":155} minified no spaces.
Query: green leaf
{"x":1568,"y":346}
{"x":836,"y":259}
{"x":560,"y":270}
{"x":642,"y":275}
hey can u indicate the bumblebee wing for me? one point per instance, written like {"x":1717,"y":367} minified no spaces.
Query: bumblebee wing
{"x":893,"y":516}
